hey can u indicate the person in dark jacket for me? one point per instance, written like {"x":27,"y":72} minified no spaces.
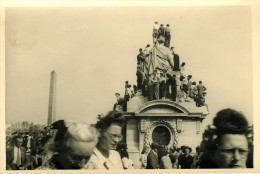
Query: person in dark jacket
{"x":186,"y":160}
{"x":152,"y":157}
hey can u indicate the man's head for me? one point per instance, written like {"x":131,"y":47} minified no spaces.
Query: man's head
{"x":189,"y":77}
{"x":156,"y":22}
{"x":140,"y":49}
{"x":161,"y":25}
{"x":18,"y":141}
{"x":167,"y":25}
{"x":117,"y":94}
{"x":200,"y":82}
{"x":148,"y":45}
{"x":154,"y":146}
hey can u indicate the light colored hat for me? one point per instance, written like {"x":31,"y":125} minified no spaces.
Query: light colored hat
{"x":81,"y":131}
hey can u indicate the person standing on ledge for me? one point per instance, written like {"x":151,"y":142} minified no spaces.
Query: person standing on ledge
{"x":155,"y":32}
{"x":176,"y":60}
{"x":167,"y":36}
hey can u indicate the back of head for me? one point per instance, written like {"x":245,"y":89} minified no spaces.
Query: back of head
{"x":231,"y":122}
{"x":113,"y":117}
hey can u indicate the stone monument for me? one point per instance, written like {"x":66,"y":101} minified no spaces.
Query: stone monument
{"x":52,"y":99}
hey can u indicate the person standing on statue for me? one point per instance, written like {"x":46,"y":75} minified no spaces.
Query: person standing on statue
{"x":150,"y":86}
{"x":172,"y":82}
{"x":163,"y":86}
{"x":155,"y":32}
{"x":167,"y":36}
{"x":157,"y":80}
{"x":176,"y":60}
{"x":161,"y":31}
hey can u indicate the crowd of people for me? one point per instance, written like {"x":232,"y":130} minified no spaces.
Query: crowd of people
{"x":25,"y":150}
{"x":161,"y":157}
{"x":228,"y":143}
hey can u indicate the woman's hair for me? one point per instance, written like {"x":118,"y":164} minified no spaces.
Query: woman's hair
{"x":113,"y":117}
{"x":227,"y":121}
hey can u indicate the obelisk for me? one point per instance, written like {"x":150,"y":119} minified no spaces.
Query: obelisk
{"x":52,"y":99}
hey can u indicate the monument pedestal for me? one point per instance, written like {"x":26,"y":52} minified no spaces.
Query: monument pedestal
{"x":164,"y":122}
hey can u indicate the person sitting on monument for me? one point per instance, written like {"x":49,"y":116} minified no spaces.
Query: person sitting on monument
{"x":200,"y":101}
{"x":71,"y":146}
{"x":226,"y":143}
{"x":105,"y":155}
{"x":119,"y":102}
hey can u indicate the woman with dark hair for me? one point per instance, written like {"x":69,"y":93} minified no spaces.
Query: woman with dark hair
{"x":70,"y":147}
{"x":105,"y":155}
{"x":226,"y":143}
{"x":185,"y":160}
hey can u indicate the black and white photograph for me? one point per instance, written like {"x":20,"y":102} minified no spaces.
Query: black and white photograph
{"x":130,"y":87}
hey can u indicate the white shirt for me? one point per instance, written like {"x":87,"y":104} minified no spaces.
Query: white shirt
{"x":98,"y":161}
{"x":15,"y":161}
{"x":156,"y":26}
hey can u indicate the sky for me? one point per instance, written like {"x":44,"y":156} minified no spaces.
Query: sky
{"x":93,"y":51}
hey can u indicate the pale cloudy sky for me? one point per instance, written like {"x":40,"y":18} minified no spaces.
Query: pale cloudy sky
{"x":93,"y":51}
